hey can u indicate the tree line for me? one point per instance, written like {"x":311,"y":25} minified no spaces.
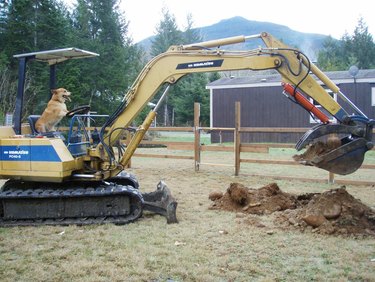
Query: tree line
{"x":29,"y":26}
{"x":94,"y":25}
{"x":101,"y":27}
{"x":352,"y":49}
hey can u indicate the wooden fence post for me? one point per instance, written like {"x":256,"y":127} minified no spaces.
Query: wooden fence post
{"x":237,"y":138}
{"x":331,"y":178}
{"x":331,"y":175}
{"x":197,"y":137}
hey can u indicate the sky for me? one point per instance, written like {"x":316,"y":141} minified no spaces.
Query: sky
{"x":329,"y":17}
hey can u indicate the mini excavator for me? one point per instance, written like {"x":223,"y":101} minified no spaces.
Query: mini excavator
{"x":81,"y":179}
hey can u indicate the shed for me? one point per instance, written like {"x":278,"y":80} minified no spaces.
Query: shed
{"x":263,"y":105}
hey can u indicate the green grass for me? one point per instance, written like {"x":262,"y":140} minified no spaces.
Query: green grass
{"x":182,"y":137}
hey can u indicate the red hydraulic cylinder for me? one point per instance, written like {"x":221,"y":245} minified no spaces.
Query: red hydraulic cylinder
{"x":305,"y":103}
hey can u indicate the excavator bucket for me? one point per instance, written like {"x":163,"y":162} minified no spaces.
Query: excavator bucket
{"x":340,"y":156}
{"x":345,"y":159}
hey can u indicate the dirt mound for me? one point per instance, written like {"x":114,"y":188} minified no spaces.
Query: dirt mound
{"x":317,"y":149}
{"x":265,"y":200}
{"x":331,"y":212}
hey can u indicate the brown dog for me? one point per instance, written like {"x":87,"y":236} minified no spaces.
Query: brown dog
{"x":55,"y":111}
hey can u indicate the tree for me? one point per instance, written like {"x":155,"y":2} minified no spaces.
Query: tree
{"x":95,"y":25}
{"x":7,"y":87}
{"x":190,"y":35}
{"x":100,"y":27}
{"x":4,"y":5}
{"x":167,"y":34}
{"x":35,"y":25}
{"x":28,"y":26}
{"x":361,"y":45}
{"x":331,"y":58}
{"x":357,"y":49}
{"x":190,"y":88}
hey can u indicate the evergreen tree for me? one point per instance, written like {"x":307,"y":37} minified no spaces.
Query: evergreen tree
{"x":29,"y":26}
{"x":331,"y":58}
{"x":357,"y":49}
{"x":3,"y":19}
{"x":361,"y":45}
{"x":101,"y":28}
{"x":35,"y":25}
{"x":167,"y":34}
{"x":189,"y":89}
{"x":95,"y":25}
{"x":190,"y":35}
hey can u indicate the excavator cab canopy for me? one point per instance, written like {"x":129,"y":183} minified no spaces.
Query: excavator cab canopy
{"x":52,"y":58}
{"x":57,"y":56}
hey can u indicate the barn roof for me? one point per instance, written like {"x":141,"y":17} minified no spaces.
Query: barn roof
{"x":258,"y":79}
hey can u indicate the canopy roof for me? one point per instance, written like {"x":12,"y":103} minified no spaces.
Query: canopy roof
{"x":56,"y":56}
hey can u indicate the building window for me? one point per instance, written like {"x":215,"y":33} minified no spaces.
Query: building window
{"x":314,"y":119}
{"x":372,"y":96}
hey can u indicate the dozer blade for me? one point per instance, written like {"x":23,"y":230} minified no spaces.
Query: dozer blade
{"x":161,"y":202}
{"x":343,"y":156}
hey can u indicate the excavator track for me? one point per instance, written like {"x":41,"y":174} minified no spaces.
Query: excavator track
{"x":30,"y":204}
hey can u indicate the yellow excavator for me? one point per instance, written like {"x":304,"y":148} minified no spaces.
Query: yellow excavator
{"x":80,"y":179}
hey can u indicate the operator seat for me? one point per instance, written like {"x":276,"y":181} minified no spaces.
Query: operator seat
{"x":32,"y":120}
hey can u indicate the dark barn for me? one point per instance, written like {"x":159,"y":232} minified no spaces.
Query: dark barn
{"x":264,"y":105}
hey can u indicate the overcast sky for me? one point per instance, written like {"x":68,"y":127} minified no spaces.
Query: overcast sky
{"x":330,"y":17}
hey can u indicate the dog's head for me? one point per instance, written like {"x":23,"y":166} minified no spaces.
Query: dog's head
{"x":61,"y":95}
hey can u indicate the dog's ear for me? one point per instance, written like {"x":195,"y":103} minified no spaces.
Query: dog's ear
{"x":53,"y":91}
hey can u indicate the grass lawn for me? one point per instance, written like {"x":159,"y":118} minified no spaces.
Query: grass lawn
{"x":206,"y":245}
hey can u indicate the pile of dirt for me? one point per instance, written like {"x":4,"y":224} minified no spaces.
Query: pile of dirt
{"x":317,"y":149}
{"x":265,"y":200}
{"x":332,"y":212}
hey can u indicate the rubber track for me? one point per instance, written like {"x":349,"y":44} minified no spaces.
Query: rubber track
{"x":110,"y":189}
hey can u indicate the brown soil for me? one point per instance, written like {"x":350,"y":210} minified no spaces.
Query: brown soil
{"x":317,"y":149}
{"x":332,"y":212}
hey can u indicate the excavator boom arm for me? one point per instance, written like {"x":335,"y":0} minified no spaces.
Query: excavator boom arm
{"x":167,"y":68}
{"x":178,"y":61}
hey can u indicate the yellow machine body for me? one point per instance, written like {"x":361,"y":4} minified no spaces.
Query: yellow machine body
{"x":36,"y":159}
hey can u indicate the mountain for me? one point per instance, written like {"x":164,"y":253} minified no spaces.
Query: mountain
{"x":309,"y":43}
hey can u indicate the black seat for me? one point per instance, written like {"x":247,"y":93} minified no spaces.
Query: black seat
{"x":51,"y":134}
{"x":32,"y":120}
